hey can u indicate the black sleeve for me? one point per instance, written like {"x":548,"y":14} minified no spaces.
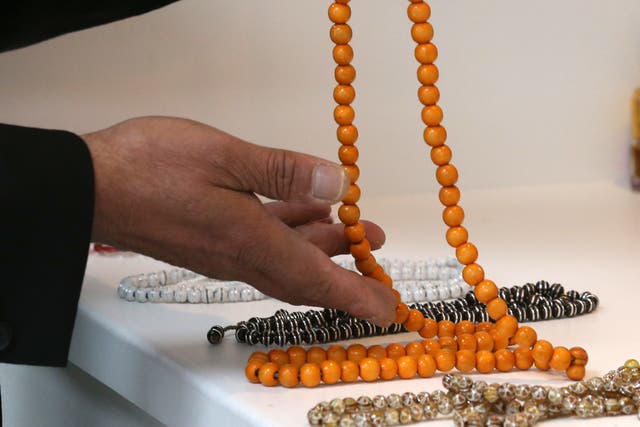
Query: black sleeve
{"x":46,"y":214}
{"x":24,"y":22}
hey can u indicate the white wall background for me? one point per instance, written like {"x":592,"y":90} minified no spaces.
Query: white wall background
{"x":533,"y":92}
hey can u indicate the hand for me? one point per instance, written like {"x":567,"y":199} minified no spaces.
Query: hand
{"x":185,"y":193}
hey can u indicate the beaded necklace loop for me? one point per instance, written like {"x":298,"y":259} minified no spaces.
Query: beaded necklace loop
{"x":460,"y":346}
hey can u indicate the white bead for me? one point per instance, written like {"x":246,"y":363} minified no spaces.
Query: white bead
{"x":246,"y":294}
{"x":173,"y":276}
{"x":432,"y":293}
{"x":233,"y":295}
{"x":194,"y":296}
{"x":130,"y":294}
{"x":166,"y":294}
{"x":153,"y":280}
{"x":153,"y":295}
{"x":180,"y":294}
{"x":405,"y":295}
{"x":455,"y":290}
{"x":141,"y":281}
{"x":419,"y":293}
{"x":452,"y":262}
{"x":257,"y":295}
{"x":122,"y":290}
{"x":444,"y":292}
{"x":407,"y":271}
{"x":444,"y":273}
{"x":395,"y":272}
{"x":432,"y":272}
{"x":141,"y":295}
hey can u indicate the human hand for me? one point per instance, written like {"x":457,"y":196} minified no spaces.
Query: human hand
{"x":185,"y":193}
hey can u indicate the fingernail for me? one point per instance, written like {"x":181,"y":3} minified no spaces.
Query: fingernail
{"x":329,"y":183}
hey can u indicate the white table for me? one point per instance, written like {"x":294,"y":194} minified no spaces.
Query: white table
{"x":585,"y":236}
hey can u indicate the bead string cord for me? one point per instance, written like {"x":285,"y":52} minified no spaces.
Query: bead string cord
{"x":528,"y":303}
{"x":476,"y":403}
{"x":506,"y":328}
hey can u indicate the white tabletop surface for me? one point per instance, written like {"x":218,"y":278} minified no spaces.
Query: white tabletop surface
{"x":585,"y":236}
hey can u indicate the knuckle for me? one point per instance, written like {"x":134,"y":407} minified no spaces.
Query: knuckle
{"x":281,"y":173}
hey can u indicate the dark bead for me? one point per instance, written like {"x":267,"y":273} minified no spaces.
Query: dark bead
{"x":215,"y":334}
{"x":241,"y":334}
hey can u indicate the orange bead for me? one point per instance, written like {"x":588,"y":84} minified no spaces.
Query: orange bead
{"x":431,"y":346}
{"x":542,"y":352}
{"x":414,"y":349}
{"x":426,"y":365}
{"x":343,"y":115}
{"x":441,"y":155}
{"x":486,"y":291}
{"x":428,"y":94}
{"x":419,"y":12}
{"x":397,"y":295}
{"x":356,"y":352}
{"x":337,"y":353}
{"x":407,"y":367}
{"x":414,"y":321}
{"x":432,"y":115}
{"x":342,"y":54}
{"x":316,"y":355}
{"x":288,"y":375}
{"x":367,"y":266}
{"x":355,"y":232}
{"x":473,"y":274}
{"x":344,"y":94}
{"x":349,"y":371}
{"x":279,"y":357}
{"x":258,"y":355}
{"x":360,"y":250}
{"x":428,"y":74}
{"x":467,"y":253}
{"x":497,"y":308}
{"x":499,"y":341}
{"x":525,"y":337}
{"x":430,"y":328}
{"x":389,"y":282}
{"x":348,"y":154}
{"x":560,"y":359}
{"x":330,"y":370}
{"x":579,"y":356}
{"x":435,"y":136}
{"x":449,"y":196}
{"x":297,"y":355}
{"x":467,"y":342}
{"x":485,"y":361}
{"x":402,"y":313}
{"x":377,"y":352}
{"x":352,"y":197}
{"x":388,"y":368}
{"x":485,"y":326}
{"x":377,"y":273}
{"x":422,"y":32}
{"x":345,"y":75}
{"x":267,"y":374}
{"x":395,"y":350}
{"x":576,"y":372}
{"x":353,"y":171}
{"x":252,"y":369}
{"x":465,"y":327}
{"x":453,"y":215}
{"x":449,"y":343}
{"x":369,"y":369}
{"x":339,"y":13}
{"x":505,"y":360}
{"x":447,"y":175}
{"x":465,"y":360}
{"x":425,"y":54}
{"x":446,"y":328}
{"x":507,"y":326}
{"x":484,"y":341}
{"x":523,"y":358}
{"x":347,"y":135}
{"x":310,"y":374}
{"x":445,"y":359}
{"x":340,"y":34}
{"x":349,"y":214}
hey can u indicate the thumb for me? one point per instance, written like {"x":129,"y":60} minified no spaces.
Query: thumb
{"x":288,"y":175}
